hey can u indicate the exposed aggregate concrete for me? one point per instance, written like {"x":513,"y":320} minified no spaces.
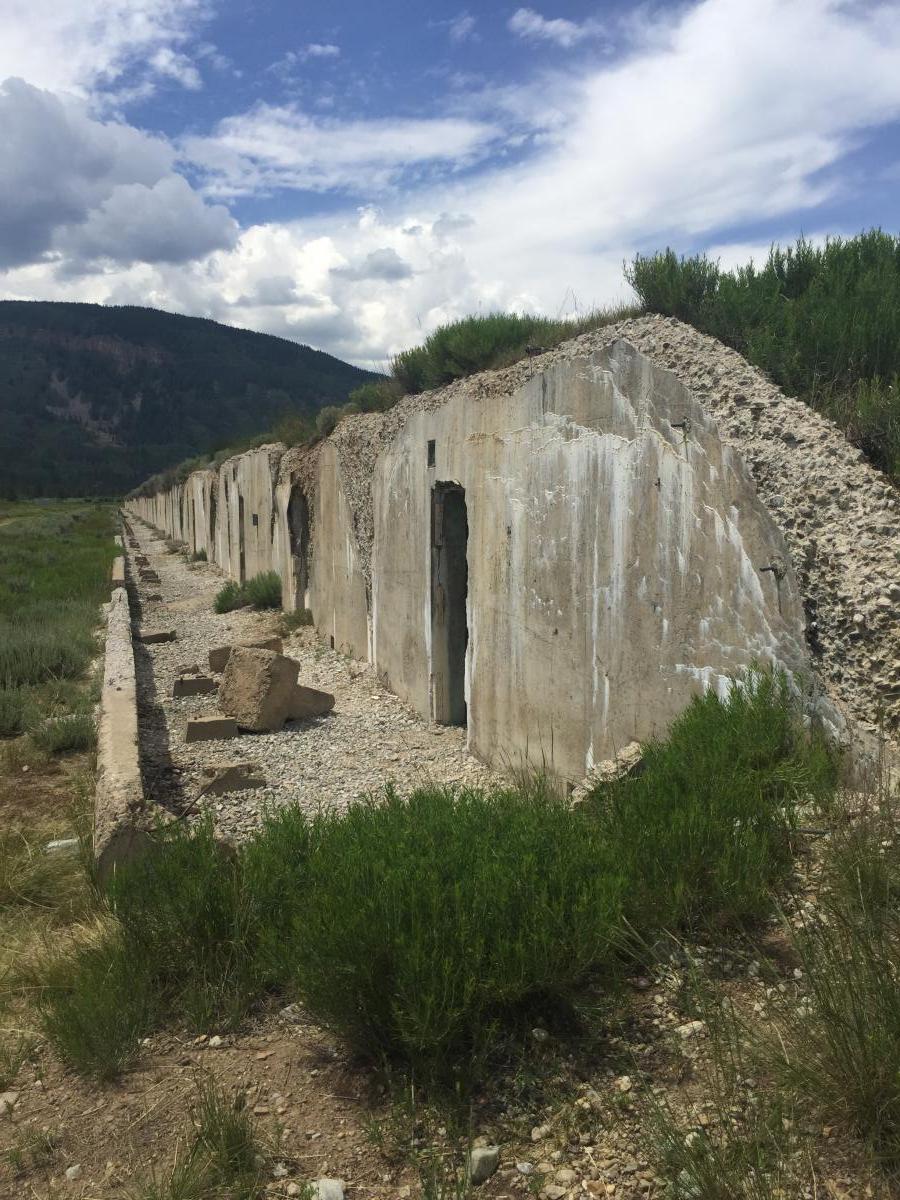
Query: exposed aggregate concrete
{"x":371,"y":738}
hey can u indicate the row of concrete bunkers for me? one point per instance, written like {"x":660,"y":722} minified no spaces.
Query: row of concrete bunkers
{"x":556,"y":556}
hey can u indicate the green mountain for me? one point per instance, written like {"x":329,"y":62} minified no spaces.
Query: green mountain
{"x":93,"y":399}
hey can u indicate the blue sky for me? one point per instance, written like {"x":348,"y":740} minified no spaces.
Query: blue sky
{"x":351,"y":175}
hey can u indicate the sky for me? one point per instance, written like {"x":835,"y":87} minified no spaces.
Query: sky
{"x":351,"y":175}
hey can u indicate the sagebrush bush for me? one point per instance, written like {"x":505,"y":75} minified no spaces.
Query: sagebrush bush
{"x":262,"y":591}
{"x":823,"y":321}
{"x":18,"y":710}
{"x":705,"y":832}
{"x":229,"y":597}
{"x":96,"y":1005}
{"x":423,"y":924}
{"x":66,"y":734}
{"x":485,"y":342}
{"x":198,"y":556}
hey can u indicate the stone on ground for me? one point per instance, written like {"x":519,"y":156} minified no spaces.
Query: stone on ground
{"x":193,"y":685}
{"x":482,"y":1164}
{"x":329,"y":1189}
{"x":218,"y":658}
{"x":204,"y":729}
{"x":258,"y":689}
{"x":309,"y":702}
{"x":150,"y":638}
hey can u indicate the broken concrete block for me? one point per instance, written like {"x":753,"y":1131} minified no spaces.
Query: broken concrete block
{"x":258,"y":688}
{"x":158,"y":635}
{"x":148,"y":576}
{"x":308,"y":702}
{"x":219,"y":657}
{"x":142,"y":560}
{"x":193,"y":685}
{"x":117,"y":575}
{"x":153,"y":596}
{"x":205,"y":729}
{"x":230,"y":777}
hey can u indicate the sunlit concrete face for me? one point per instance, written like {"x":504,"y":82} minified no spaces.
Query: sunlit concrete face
{"x":562,"y":568}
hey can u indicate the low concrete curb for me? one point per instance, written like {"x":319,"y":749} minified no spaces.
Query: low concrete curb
{"x":117,"y":578}
{"x":120,"y":832}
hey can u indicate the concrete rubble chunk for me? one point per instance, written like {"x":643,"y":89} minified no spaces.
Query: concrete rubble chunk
{"x":206,"y":729}
{"x":230,"y":777}
{"x":258,"y":688}
{"x":482,"y":1164}
{"x":152,"y":637}
{"x":329,"y":1189}
{"x":117,"y":574}
{"x":218,"y":658}
{"x":309,"y":702}
{"x":193,"y":685}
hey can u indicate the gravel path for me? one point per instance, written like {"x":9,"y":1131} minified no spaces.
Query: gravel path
{"x":370,"y":739}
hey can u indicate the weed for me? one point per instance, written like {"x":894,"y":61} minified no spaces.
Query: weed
{"x":96,"y":1004}
{"x":262,"y":591}
{"x":33,"y":1149}
{"x":229,"y":597}
{"x":423,"y":925}
{"x":487,"y":342}
{"x":823,"y":321}
{"x":198,"y":556}
{"x":63,"y":735}
{"x":706,"y":831}
{"x":225,"y":1132}
{"x":298,"y":619}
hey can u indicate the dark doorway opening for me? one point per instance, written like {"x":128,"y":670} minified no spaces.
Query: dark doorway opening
{"x":298,"y":531}
{"x":449,"y":591}
{"x":241,"y":540}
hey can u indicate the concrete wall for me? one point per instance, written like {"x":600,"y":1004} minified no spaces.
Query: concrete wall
{"x":615,"y":553}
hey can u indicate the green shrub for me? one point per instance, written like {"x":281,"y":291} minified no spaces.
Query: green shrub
{"x":705,"y":832}
{"x":66,"y":734}
{"x":96,"y":1006}
{"x":18,"y":710}
{"x":423,"y":925}
{"x":327,"y":419}
{"x":229,"y":597}
{"x":377,"y":396}
{"x":264,"y":591}
{"x":299,"y":618}
{"x":823,"y":321}
{"x":198,"y":556}
{"x":184,"y":914}
{"x":486,"y":342}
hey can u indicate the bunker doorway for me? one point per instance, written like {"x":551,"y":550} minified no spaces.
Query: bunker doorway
{"x":242,"y":575}
{"x":298,"y":530}
{"x":449,"y":591}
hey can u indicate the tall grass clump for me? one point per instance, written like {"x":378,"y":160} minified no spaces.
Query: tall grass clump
{"x":823,"y":321}
{"x":262,"y":591}
{"x":486,"y":342}
{"x":427,"y":924}
{"x":182,"y":948}
{"x":706,"y":831}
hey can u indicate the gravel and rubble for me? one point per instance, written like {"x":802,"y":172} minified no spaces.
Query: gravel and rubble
{"x":371,"y":739}
{"x":839,"y":515}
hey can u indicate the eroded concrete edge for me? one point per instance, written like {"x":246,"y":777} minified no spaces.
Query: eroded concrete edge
{"x":120,"y":814}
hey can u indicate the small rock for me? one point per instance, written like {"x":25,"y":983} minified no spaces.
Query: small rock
{"x":215,"y":1042}
{"x":73,"y":1173}
{"x":329,"y":1189}
{"x":691,"y":1029}
{"x":623,"y":1084}
{"x":540,"y":1132}
{"x":525,"y":1168}
{"x":482,"y":1164}
{"x":280,"y":1171}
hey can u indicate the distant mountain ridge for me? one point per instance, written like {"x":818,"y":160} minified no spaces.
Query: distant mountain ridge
{"x":95,"y":398}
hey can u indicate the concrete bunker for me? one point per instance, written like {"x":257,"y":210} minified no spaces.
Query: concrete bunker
{"x":449,"y":601}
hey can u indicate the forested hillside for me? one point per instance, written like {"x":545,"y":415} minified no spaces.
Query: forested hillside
{"x":93,"y":399}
